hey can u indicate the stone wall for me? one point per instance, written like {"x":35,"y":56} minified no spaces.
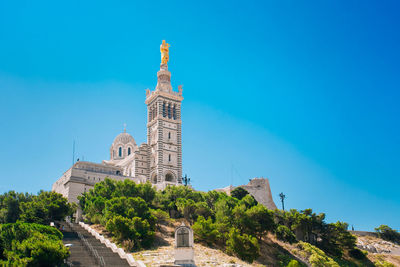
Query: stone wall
{"x":259,"y":188}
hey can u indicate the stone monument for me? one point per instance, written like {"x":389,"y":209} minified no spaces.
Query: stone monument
{"x":184,"y":251}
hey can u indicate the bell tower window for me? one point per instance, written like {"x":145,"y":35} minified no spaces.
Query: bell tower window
{"x":163,"y":110}
{"x":129,"y":151}
{"x":120,"y":151}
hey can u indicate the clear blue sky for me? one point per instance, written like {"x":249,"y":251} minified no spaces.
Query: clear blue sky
{"x":305,"y":93}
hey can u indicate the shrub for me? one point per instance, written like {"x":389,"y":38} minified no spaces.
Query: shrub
{"x":382,"y":263}
{"x":260,"y":220}
{"x":136,"y":230}
{"x":293,"y":263}
{"x":244,"y":246}
{"x":10,"y":203}
{"x":357,"y":254}
{"x":161,"y":216}
{"x":387,"y":233}
{"x":336,"y":239}
{"x":43,"y":208}
{"x":239,"y":193}
{"x":205,"y":230}
{"x":285,"y":234}
{"x":317,"y":257}
{"x":25,"y":244}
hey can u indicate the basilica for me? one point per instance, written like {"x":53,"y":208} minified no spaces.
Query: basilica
{"x":158,"y":161}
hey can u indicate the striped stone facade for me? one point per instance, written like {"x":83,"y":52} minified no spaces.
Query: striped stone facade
{"x":164,"y":131}
{"x":158,"y":161}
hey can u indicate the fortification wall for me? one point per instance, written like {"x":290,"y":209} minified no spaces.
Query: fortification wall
{"x":259,"y":188}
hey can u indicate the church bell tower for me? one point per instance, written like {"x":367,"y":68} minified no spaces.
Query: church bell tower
{"x":164,"y":135}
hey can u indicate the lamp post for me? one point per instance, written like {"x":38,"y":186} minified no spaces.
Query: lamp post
{"x":282,"y":196}
{"x":186,"y":180}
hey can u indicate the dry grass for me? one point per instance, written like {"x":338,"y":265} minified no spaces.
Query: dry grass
{"x":271,"y":250}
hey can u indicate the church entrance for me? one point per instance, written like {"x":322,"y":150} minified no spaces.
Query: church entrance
{"x":169,"y":177}
{"x":154,"y":179}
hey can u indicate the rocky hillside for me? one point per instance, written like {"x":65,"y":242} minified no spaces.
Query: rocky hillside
{"x":273,"y":253}
{"x":378,"y":249}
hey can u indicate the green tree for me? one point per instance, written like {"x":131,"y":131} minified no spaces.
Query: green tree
{"x":10,"y":203}
{"x":239,"y":193}
{"x":29,"y":244}
{"x":293,"y":263}
{"x":205,"y":231}
{"x":45,"y":208}
{"x":285,"y":234}
{"x":224,"y":209}
{"x":137,"y":230}
{"x":336,"y":238}
{"x":260,"y":220}
{"x":161,"y":217}
{"x":187,"y":208}
{"x":244,"y":246}
{"x":387,"y":233}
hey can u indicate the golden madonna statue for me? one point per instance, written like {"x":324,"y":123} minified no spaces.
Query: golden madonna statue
{"x":164,"y":49}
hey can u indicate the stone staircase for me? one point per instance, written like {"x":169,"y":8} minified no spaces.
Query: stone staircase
{"x":87,"y":251}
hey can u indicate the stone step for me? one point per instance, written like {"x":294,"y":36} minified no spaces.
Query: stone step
{"x":80,"y":255}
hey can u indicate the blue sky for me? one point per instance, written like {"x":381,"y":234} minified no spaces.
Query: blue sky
{"x":305,"y":93}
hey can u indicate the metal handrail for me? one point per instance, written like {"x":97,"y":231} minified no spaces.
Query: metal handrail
{"x":102,"y":262}
{"x":99,"y":259}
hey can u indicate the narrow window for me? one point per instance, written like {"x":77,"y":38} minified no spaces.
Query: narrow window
{"x":120,"y":151}
{"x":169,"y":157}
{"x":163,"y":110}
{"x":169,"y":135}
{"x":169,"y":111}
{"x":129,"y":150}
{"x":174,"y":112}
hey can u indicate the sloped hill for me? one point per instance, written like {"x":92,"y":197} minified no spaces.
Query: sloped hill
{"x":272,"y":253}
{"x":379,"y":250}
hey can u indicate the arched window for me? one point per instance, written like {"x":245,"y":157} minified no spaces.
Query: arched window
{"x":129,"y":151}
{"x":169,"y":111}
{"x":154,"y":179}
{"x":120,"y":151}
{"x":182,"y":238}
{"x":174,"y":113}
{"x":169,"y":177}
{"x":163,"y":110}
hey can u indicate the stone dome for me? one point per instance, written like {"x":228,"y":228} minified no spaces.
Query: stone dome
{"x":123,"y":146}
{"x":124,"y":138}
